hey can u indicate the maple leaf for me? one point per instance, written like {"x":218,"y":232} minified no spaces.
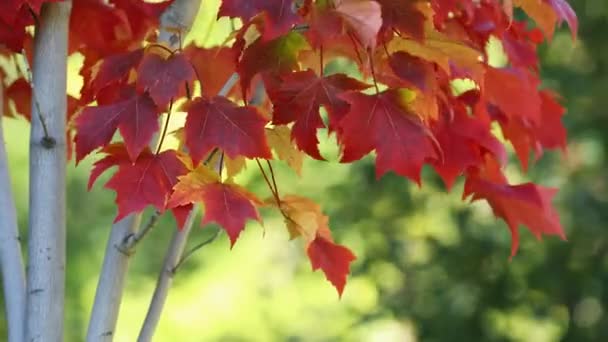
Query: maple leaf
{"x":527,"y":136}
{"x":565,"y":13}
{"x":227,"y":204}
{"x":501,"y":86}
{"x":525,"y":204}
{"x":213,"y":66}
{"x":20,"y":93}
{"x":299,"y":98}
{"x":332,"y":258}
{"x":12,"y":27}
{"x":415,"y":71}
{"x":163,"y":77}
{"x":464,"y":142}
{"x":110,"y":70}
{"x":149,"y":180}
{"x":98,"y":29}
{"x":180,"y":214}
{"x":403,"y":17}
{"x":382,"y":122}
{"x":219,"y":122}
{"x":439,"y":48}
{"x":279,"y":15}
{"x":279,"y":139}
{"x":520,"y":44}
{"x":303,"y":217}
{"x":143,"y":16}
{"x":279,"y":55}
{"x":364,"y":18}
{"x":11,"y":9}
{"x":115,"y":155}
{"x":325,"y":24}
{"x":136,"y":117}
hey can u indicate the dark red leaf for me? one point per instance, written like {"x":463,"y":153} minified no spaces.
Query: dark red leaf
{"x":136,"y":117}
{"x":525,"y":204}
{"x":147,"y":181}
{"x":279,"y":15}
{"x":162,"y":78}
{"x":383,"y":123}
{"x":218,"y":122}
{"x":299,"y":98}
{"x":332,"y":258}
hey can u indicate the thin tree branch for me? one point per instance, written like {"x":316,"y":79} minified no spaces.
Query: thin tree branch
{"x":193,"y":250}
{"x":130,"y":241}
{"x":47,"y":236}
{"x":11,"y":259}
{"x":165,"y":278}
{"x":175,"y":22}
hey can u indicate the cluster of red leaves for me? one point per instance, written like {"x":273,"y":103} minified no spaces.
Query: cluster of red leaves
{"x":403,"y":106}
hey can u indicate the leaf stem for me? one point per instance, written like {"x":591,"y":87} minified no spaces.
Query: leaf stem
{"x":371,"y":64}
{"x":165,"y":128}
{"x":274,"y":181}
{"x":268,"y":182}
{"x":192,"y":250}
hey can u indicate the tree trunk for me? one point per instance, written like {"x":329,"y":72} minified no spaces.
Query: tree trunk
{"x":11,"y":260}
{"x":111,"y":281}
{"x":175,"y":22}
{"x":46,"y":244}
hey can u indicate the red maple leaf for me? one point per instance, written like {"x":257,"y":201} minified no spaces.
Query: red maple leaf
{"x":403,"y":17}
{"x":464,"y":142}
{"x":413,"y":71}
{"x":525,"y":204}
{"x":332,"y":258}
{"x":136,"y":117}
{"x":10,"y":10}
{"x":381,"y":122}
{"x":304,"y":218}
{"x":143,"y":16}
{"x":12,"y":26}
{"x":299,"y":98}
{"x":279,"y":15}
{"x":149,"y":180}
{"x":363,"y":18}
{"x":98,"y":29}
{"x":20,"y":92}
{"x":277,"y":56}
{"x":213,"y":76}
{"x":528,"y":136}
{"x":162,"y":78}
{"x":219,"y":122}
{"x":228,"y":204}
{"x":111,"y":70}
{"x":502,"y":86}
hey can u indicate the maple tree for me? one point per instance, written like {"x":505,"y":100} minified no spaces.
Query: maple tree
{"x":401,"y":104}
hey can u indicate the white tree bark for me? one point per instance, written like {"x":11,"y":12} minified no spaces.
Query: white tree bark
{"x":46,"y":238}
{"x":172,"y":258}
{"x":111,"y":281}
{"x":175,"y":23}
{"x":11,"y":260}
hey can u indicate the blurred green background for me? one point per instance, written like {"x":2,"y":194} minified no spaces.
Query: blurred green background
{"x":429,"y":267}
